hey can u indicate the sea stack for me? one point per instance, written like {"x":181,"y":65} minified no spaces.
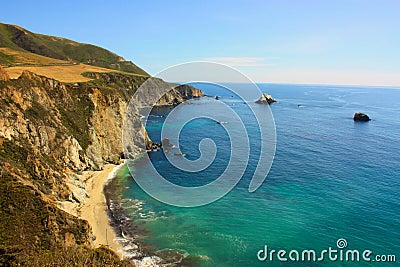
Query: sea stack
{"x":359,"y":116}
{"x":266,"y":99}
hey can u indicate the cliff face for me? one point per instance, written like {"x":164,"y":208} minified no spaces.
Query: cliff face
{"x":49,"y":133}
{"x":179,"y":94}
{"x":3,"y":74}
{"x":151,"y":93}
{"x":79,"y":127}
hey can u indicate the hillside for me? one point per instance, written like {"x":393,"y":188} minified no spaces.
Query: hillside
{"x":50,"y":132}
{"x":62,"y":73}
{"x":59,"y":118}
{"x":19,"y":46}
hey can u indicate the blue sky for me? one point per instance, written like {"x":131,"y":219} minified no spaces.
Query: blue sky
{"x":324,"y":42}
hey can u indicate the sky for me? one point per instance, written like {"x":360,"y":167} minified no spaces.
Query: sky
{"x":299,"y":41}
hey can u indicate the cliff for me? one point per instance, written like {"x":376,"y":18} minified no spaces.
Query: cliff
{"x":49,"y":133}
{"x":3,"y":74}
{"x":179,"y":94}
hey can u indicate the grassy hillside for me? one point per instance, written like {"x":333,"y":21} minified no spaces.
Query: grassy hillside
{"x":69,"y":73}
{"x":11,"y":57}
{"x":16,"y":40}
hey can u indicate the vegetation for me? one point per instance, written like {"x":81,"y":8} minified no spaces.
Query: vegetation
{"x":76,"y":117}
{"x":33,"y":232}
{"x":6,"y":59}
{"x":42,"y":115}
{"x":76,"y":256}
{"x":18,"y":39}
{"x":69,"y":73}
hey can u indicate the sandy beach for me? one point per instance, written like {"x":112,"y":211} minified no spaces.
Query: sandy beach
{"x":94,"y":210}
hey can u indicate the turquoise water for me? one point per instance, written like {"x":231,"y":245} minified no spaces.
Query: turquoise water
{"x":331,"y":178}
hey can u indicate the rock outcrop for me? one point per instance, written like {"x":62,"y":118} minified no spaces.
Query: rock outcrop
{"x":78,"y":126}
{"x":266,"y":99}
{"x":359,"y":116}
{"x":179,"y":94}
{"x":151,"y":93}
{"x":52,"y":131}
{"x":3,"y":74}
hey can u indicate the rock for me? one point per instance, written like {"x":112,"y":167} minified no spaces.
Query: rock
{"x":179,"y":94}
{"x":50,"y":132}
{"x":266,"y":99}
{"x":166,"y":143}
{"x":359,"y":116}
{"x":151,"y":261}
{"x":3,"y":74}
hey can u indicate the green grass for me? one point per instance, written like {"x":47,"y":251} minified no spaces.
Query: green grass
{"x":76,"y":117}
{"x":17,"y":38}
{"x":6,"y":59}
{"x":115,"y":83}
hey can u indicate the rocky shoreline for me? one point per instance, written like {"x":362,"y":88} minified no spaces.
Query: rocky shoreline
{"x":130,"y":233}
{"x":51,"y":134}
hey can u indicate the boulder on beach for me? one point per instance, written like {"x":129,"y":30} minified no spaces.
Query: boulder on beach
{"x":359,"y":116}
{"x":266,"y":99}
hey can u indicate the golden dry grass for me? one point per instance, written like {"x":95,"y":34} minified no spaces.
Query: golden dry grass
{"x":52,"y":68}
{"x":68,"y":74}
{"x":30,"y":58}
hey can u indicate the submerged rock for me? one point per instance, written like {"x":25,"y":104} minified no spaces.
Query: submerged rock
{"x":266,"y":99}
{"x":166,"y":143}
{"x":359,"y":116}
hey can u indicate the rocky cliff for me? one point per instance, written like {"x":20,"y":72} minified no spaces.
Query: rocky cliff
{"x":3,"y":74}
{"x":50,"y":132}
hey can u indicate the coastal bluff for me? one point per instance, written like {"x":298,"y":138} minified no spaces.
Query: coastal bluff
{"x":50,"y":133}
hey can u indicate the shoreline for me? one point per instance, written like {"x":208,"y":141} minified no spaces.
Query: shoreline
{"x":103,"y":220}
{"x":128,"y":234}
{"x":95,"y":210}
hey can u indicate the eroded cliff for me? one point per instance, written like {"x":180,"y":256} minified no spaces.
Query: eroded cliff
{"x":49,"y":133}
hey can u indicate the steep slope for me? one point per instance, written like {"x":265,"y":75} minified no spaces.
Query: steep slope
{"x":18,"y":39}
{"x":49,"y":132}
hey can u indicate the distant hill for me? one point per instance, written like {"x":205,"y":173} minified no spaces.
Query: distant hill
{"x":19,"y":46}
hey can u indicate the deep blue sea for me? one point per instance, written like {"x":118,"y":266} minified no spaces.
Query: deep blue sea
{"x":331,"y":178}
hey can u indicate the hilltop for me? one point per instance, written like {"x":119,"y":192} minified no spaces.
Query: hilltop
{"x":22,"y":48}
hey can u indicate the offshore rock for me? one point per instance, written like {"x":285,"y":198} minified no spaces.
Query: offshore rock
{"x":359,"y":116}
{"x":266,"y":99}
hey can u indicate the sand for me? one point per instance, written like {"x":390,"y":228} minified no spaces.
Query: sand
{"x":94,"y":210}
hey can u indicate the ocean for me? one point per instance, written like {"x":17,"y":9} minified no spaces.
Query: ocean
{"x":331,"y":179}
